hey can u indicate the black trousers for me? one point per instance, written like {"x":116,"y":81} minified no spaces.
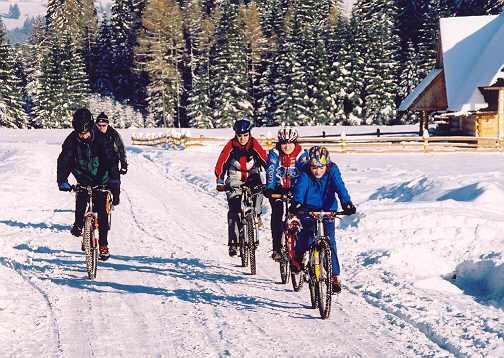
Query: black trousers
{"x":277,"y":211}
{"x":99,"y":202}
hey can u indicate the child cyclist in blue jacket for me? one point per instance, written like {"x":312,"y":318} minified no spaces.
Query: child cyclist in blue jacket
{"x":284,"y":164}
{"x":316,"y":189}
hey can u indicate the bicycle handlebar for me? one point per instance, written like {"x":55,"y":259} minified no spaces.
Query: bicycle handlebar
{"x":79,"y":187}
{"x":322,"y":214}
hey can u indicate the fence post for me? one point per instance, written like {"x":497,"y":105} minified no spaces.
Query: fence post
{"x":426,"y":141}
{"x":343,"y":142}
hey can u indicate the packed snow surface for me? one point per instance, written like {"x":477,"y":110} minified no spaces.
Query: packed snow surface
{"x":422,"y":262}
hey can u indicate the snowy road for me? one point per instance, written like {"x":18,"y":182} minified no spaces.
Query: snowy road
{"x":170,"y":290}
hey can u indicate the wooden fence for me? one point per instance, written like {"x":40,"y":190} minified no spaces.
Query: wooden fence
{"x":350,"y":144}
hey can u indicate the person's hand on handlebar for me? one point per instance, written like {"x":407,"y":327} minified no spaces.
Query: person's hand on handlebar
{"x":294,"y":208}
{"x":221,"y":186}
{"x":348,"y":208}
{"x":65,"y":186}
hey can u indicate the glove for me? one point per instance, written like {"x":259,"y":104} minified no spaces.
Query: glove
{"x":64,"y":187}
{"x":294,"y":208}
{"x":220,"y":185}
{"x":115,"y":187}
{"x":124,"y":168}
{"x":348,"y":208}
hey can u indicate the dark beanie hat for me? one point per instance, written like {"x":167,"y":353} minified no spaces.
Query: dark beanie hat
{"x":102,"y":117}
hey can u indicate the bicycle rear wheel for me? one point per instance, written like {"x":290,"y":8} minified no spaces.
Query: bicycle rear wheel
{"x":284,"y":263}
{"x":251,"y":232}
{"x":244,"y":252}
{"x":108,"y":208}
{"x":324,"y":282}
{"x":90,"y":247}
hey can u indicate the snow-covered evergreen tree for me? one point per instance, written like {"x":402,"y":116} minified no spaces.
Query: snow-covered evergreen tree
{"x":202,"y":34}
{"x":160,"y":55}
{"x":12,"y":114}
{"x":229,"y":72}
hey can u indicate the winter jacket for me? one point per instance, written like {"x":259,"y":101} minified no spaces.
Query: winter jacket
{"x":240,"y":161}
{"x":119,"y":147}
{"x":283,"y":170}
{"x":319,"y":194}
{"x":92,"y":162}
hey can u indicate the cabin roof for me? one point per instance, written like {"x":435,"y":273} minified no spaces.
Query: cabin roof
{"x":472,"y":53}
{"x":410,"y":99}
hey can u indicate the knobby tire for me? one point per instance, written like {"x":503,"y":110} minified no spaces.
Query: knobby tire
{"x":297,"y":280}
{"x":90,"y":250}
{"x":244,"y":252}
{"x":251,"y":239}
{"x":284,"y":263}
{"x":324,"y":283}
{"x":312,"y":278}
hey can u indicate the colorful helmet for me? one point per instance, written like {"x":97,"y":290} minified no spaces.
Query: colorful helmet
{"x":242,"y":126}
{"x":318,"y":156}
{"x":82,"y":120}
{"x":287,"y":134}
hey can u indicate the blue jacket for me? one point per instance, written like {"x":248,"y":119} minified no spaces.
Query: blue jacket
{"x":283,"y":170}
{"x":319,"y":194}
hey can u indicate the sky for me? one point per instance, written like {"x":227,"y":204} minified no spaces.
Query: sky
{"x":421,"y":261}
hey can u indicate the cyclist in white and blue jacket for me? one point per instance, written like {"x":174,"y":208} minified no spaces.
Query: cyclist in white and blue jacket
{"x":317,"y":186}
{"x":282,"y":169}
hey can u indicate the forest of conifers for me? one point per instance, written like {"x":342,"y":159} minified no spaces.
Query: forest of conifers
{"x":181,"y":63}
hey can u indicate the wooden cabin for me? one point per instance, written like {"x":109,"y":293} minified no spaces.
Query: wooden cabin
{"x":466,"y":86}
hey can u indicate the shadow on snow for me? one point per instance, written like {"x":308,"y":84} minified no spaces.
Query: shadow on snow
{"x":190,"y":269}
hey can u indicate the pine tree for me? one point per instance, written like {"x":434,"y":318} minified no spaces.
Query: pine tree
{"x":255,"y":48}
{"x":202,"y":33}
{"x":100,"y":77}
{"x":232,"y":101}
{"x":159,"y":54}
{"x":12,"y":114}
{"x":122,"y":22}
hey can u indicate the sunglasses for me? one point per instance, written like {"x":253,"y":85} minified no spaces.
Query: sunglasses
{"x":243,"y":135}
{"x":102,"y":125}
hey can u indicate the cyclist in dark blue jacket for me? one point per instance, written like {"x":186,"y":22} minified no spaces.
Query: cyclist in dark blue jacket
{"x":316,"y":189}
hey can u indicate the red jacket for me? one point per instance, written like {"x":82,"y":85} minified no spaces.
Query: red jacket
{"x":241,"y":159}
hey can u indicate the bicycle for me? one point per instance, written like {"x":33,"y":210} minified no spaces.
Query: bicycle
{"x":90,"y":232}
{"x":316,"y":264}
{"x":287,"y":239}
{"x":248,"y":229}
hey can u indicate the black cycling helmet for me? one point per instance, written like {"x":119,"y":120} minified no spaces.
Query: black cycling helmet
{"x":82,"y":120}
{"x":242,"y":126}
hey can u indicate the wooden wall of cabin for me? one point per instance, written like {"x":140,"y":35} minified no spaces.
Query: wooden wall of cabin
{"x":488,"y":124}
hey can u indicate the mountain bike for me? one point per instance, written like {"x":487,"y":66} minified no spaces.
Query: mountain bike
{"x":316,"y":265}
{"x":90,"y":232}
{"x":248,"y":238}
{"x":287,"y":239}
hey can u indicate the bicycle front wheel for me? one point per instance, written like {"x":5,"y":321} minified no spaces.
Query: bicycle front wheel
{"x":298,"y":279}
{"x":284,"y":263}
{"x":324,"y":281}
{"x":251,"y":231}
{"x":90,"y":247}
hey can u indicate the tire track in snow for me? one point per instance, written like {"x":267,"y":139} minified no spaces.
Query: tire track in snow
{"x":15,"y":267}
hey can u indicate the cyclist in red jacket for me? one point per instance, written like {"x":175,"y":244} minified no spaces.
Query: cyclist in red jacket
{"x":239,"y":163}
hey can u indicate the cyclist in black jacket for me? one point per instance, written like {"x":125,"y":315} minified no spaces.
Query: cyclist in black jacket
{"x":102,"y":122}
{"x":90,"y":157}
